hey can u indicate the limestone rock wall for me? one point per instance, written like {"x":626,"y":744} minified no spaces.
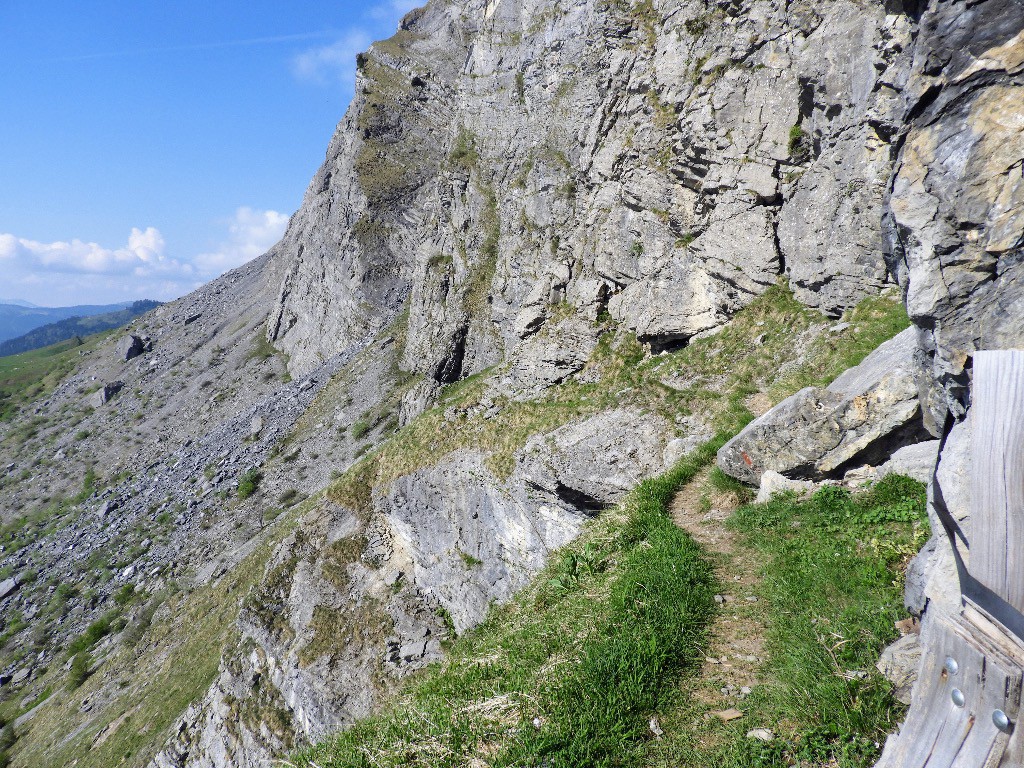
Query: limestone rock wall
{"x":509,"y":171}
{"x":664,"y":161}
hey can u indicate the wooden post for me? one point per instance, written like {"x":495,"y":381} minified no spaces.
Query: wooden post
{"x":997,"y":478}
{"x":967,"y":701}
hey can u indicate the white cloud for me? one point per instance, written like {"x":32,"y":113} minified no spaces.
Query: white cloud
{"x":251,"y":233}
{"x":143,"y":254}
{"x":77,"y":272}
{"x":336,"y":62}
{"x":394,"y":9}
{"x":332,"y":63}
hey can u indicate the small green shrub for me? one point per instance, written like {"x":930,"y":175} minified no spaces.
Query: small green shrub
{"x":798,"y":144}
{"x":271,"y":514}
{"x":464,"y":152}
{"x":124,"y":595}
{"x":361,"y":429}
{"x":79,"y":671}
{"x":248,"y":483}
{"x":469,"y":560}
{"x":93,"y":634}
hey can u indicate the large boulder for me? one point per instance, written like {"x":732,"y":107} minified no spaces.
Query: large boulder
{"x":594,"y":463}
{"x":130,"y":347}
{"x":8,"y":586}
{"x":861,"y":417}
{"x":103,"y":395}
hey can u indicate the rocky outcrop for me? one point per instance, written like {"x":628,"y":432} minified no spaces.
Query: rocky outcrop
{"x":351,"y":603}
{"x":898,"y":664}
{"x":860,"y":418}
{"x":130,"y":347}
{"x":103,"y":395}
{"x":955,"y":219}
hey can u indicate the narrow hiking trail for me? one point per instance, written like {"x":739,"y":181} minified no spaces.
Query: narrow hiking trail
{"x":712,"y":703}
{"x":736,"y":639}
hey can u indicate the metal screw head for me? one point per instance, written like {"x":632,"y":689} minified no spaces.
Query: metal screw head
{"x":951,"y":666}
{"x":1001,"y":721}
{"x":958,"y":697}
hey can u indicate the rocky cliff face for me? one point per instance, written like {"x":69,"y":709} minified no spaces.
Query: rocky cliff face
{"x":664,"y":162}
{"x":522,"y":191}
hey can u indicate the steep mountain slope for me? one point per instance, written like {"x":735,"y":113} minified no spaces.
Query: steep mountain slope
{"x":337,"y":455}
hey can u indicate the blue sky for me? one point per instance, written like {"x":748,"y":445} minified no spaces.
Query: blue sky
{"x":147,"y":147}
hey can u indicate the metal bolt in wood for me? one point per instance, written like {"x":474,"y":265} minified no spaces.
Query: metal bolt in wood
{"x":1001,"y":721}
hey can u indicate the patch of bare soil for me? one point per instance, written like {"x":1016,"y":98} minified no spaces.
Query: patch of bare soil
{"x":735,"y":652}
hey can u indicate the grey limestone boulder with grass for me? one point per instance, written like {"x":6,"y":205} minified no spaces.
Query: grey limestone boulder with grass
{"x":103,"y":395}
{"x":860,"y":418}
{"x":594,"y":462}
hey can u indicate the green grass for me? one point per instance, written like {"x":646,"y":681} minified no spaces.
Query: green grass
{"x":832,"y":590}
{"x":79,"y":671}
{"x":614,"y":630}
{"x":567,"y":672}
{"x":249,"y":482}
{"x":32,"y":375}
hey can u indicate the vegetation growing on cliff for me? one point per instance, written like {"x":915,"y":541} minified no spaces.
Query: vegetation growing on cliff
{"x":598,"y":662}
{"x":568,"y":669}
{"x":774,"y":346}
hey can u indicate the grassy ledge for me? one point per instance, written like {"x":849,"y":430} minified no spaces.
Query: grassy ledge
{"x":617,"y":627}
{"x":831,"y":589}
{"x":566,"y":673}
{"x":773,"y":347}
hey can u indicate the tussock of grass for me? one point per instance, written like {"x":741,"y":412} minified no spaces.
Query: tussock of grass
{"x":565,"y":674}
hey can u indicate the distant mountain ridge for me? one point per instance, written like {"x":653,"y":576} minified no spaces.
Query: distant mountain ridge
{"x":18,"y":319}
{"x":78,"y":325}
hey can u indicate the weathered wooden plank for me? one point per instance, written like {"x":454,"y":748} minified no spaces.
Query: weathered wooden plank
{"x":930,"y":708}
{"x":997,"y":476}
{"x":985,"y":741}
{"x":958,"y":721}
{"x":940,"y":734}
